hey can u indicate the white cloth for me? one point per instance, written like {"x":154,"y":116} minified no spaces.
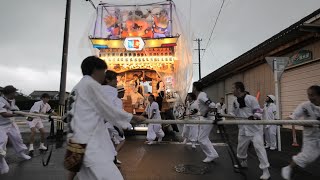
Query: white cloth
{"x":89,"y":110}
{"x":311,"y":135}
{"x":38,"y":107}
{"x":204,"y":130}
{"x":250,"y":133}
{"x":257,"y":141}
{"x":9,"y":131}
{"x":35,"y":123}
{"x":190,"y":131}
{"x":270,"y":131}
{"x":221,"y":108}
{"x":154,"y":130}
{"x":7,"y":105}
{"x":111,"y":94}
{"x":204,"y":141}
{"x":204,"y":103}
{"x":251,"y":105}
{"x":100,"y":172}
{"x":12,"y":133}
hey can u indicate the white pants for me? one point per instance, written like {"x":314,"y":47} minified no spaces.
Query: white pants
{"x":257,"y":140}
{"x":98,"y":159}
{"x":36,"y":122}
{"x":105,"y":171}
{"x":204,"y":141}
{"x":190,"y":132}
{"x":114,"y":134}
{"x":12,"y":133}
{"x":270,"y":134}
{"x":310,"y":149}
{"x":154,"y":130}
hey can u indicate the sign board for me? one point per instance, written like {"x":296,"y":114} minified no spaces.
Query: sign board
{"x":134,"y":43}
{"x":278,"y":64}
{"x":300,"y":57}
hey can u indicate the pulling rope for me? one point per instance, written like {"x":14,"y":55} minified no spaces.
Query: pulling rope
{"x":241,"y":121}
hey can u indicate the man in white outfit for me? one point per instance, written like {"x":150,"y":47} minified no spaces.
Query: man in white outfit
{"x":9,"y":129}
{"x":88,"y":111}
{"x":190,"y":131}
{"x":247,"y":106}
{"x":310,"y":151}
{"x":153,"y":112}
{"x":221,"y":109}
{"x":36,"y":123}
{"x":111,"y":93}
{"x":205,"y":107}
{"x":270,"y":131}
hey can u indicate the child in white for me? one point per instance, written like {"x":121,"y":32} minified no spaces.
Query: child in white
{"x":247,"y":106}
{"x":221,"y":107}
{"x":153,"y":112}
{"x":190,"y":131}
{"x":36,"y":123}
{"x":309,"y":110}
{"x":270,"y":131}
{"x":205,"y":106}
{"x":9,"y":129}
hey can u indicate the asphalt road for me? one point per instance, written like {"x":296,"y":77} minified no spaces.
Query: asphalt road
{"x":157,"y":162}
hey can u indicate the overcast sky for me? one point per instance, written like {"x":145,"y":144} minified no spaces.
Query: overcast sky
{"x":31,"y":34}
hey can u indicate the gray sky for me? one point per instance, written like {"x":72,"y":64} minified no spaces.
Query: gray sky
{"x":31,"y":34}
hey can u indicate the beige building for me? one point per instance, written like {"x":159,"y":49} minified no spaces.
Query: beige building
{"x":300,"y":42}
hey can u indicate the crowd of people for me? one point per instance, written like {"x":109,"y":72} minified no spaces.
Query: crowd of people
{"x":97,"y":120}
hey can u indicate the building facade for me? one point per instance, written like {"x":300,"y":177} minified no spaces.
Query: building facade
{"x":300,"y":42}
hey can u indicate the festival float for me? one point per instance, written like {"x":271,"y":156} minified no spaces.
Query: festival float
{"x":145,"y":45}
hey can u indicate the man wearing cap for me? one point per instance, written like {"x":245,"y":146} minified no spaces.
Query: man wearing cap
{"x":270,"y":131}
{"x":111,"y":93}
{"x":118,"y":138}
{"x":9,"y":129}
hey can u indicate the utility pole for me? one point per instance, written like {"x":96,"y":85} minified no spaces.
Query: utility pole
{"x":199,"y":56}
{"x":62,"y":91}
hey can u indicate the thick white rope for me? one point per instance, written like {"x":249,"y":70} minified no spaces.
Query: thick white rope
{"x":36,"y":115}
{"x":236,"y":122}
{"x":192,"y":121}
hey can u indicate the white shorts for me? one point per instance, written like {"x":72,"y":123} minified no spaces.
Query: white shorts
{"x":36,"y":122}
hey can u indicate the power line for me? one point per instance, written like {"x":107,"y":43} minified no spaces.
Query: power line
{"x":214,"y":26}
{"x":199,"y":50}
{"x":92,"y":3}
